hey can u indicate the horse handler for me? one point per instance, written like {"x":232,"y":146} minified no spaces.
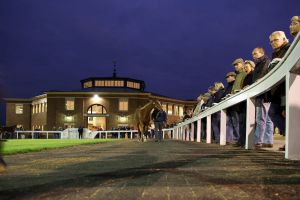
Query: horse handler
{"x":2,"y":163}
{"x":160,"y":118}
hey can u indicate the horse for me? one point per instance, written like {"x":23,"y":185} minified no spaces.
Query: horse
{"x":7,"y":131}
{"x":142,"y":117}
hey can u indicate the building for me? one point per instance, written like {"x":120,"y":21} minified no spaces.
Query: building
{"x":102,"y":102}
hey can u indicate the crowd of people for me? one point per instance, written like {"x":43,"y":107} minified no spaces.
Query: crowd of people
{"x":270,"y":106}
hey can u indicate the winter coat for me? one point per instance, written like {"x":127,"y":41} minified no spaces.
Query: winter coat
{"x":261,"y":68}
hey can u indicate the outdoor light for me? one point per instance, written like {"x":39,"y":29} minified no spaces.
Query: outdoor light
{"x":96,"y":97}
{"x":123,"y":119}
{"x":69,"y":118}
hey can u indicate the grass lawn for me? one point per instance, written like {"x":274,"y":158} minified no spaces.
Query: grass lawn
{"x":31,"y":145}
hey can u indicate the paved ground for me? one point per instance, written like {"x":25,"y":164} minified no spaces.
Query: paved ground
{"x":134,"y":170}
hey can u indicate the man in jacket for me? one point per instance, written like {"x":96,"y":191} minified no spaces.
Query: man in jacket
{"x":232,"y":120}
{"x":264,"y":126}
{"x":160,"y":118}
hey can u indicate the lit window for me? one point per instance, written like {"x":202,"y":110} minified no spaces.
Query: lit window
{"x":164,"y":107}
{"x":180,"y":111}
{"x":70,"y":103}
{"x":109,"y":83}
{"x":131,"y":84}
{"x":123,"y":104}
{"x":175,"y":110}
{"x":99,"y":83}
{"x":119,"y":83}
{"x":170,"y":109}
{"x":96,"y":109}
{"x":19,"y":108}
{"x":88,"y":84}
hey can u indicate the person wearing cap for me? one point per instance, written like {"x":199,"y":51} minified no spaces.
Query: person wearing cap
{"x":295,"y":26}
{"x":240,"y":75}
{"x":232,"y":122}
{"x":240,"y":108}
{"x":263,"y":123}
{"x":230,"y":78}
{"x":249,"y":68}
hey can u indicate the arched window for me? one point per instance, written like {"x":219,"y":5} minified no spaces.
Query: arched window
{"x":96,"y":109}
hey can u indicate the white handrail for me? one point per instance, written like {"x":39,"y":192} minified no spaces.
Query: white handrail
{"x":282,"y":71}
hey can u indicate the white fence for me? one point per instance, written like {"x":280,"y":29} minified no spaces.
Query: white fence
{"x":72,"y":133}
{"x":288,"y":69}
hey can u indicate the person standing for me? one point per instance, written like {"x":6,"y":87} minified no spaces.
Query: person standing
{"x":280,"y":45}
{"x":80,"y":131}
{"x":264,"y":126}
{"x":232,"y":124}
{"x":160,"y":118}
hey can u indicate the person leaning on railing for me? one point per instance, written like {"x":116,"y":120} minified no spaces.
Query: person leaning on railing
{"x":263,"y":124}
{"x":240,"y":108}
{"x":217,"y":95}
{"x":280,"y":45}
{"x":249,"y":69}
{"x":205,"y":98}
{"x":231,"y":119}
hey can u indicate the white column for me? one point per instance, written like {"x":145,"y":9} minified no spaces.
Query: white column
{"x":199,"y":130}
{"x":192,"y":132}
{"x":292,"y":138}
{"x":105,"y":135}
{"x":208,"y":129}
{"x":250,"y":123}
{"x":17,"y":135}
{"x":181,"y":133}
{"x":118,"y":135}
{"x":223,"y":127}
{"x":131,"y":135}
{"x":47,"y":134}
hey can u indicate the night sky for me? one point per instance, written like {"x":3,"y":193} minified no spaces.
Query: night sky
{"x":178,"y":47}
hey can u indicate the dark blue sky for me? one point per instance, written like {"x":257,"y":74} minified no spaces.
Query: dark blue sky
{"x":178,"y":47}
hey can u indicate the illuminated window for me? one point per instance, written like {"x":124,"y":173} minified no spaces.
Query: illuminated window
{"x":19,"y":108}
{"x":96,"y":109}
{"x":119,"y":83}
{"x":88,"y":84}
{"x":170,"y":109}
{"x":131,"y":84}
{"x":123,"y":104}
{"x":99,"y":83}
{"x":176,"y":110}
{"x":109,"y":83}
{"x":164,"y":107}
{"x":180,"y":111}
{"x":70,"y":103}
